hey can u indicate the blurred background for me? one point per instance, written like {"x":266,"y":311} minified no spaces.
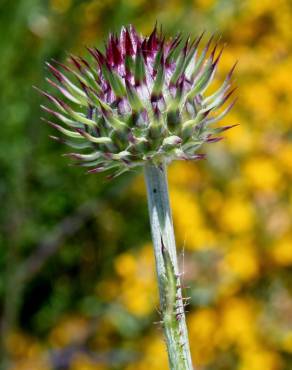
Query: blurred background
{"x":77,"y":278}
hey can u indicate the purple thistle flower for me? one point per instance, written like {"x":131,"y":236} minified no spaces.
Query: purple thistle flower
{"x":143,"y":99}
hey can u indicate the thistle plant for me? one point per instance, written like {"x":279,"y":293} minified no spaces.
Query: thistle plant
{"x":143,"y":103}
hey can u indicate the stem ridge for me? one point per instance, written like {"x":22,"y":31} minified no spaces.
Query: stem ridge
{"x":171,"y":301}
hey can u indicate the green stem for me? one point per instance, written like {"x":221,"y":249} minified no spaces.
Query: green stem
{"x":171,"y":302}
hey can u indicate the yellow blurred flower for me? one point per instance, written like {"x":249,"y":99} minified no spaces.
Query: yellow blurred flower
{"x":281,"y":252}
{"x":212,"y":200}
{"x":238,"y":324}
{"x":83,"y":362}
{"x":241,"y":260}
{"x":240,"y":139}
{"x":278,"y":81}
{"x":286,"y":343}
{"x":283,"y":21}
{"x":202,"y":334}
{"x":285,"y":157}
{"x":137,"y":287}
{"x":154,"y":355}
{"x":189,"y":221}
{"x":259,"y":358}
{"x":237,"y":215}
{"x":184,"y":174}
{"x":262,"y":174}
{"x":125,"y":265}
{"x":139,"y":298}
{"x":259,"y":100}
{"x":257,"y":8}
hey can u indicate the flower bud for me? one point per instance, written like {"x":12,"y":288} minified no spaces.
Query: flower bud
{"x":144,"y":99}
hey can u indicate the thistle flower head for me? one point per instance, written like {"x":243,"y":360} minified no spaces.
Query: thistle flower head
{"x":143,"y":99}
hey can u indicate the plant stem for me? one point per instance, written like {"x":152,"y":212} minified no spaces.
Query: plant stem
{"x":171,"y":301}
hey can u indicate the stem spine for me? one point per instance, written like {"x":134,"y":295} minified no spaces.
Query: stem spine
{"x":171,"y":301}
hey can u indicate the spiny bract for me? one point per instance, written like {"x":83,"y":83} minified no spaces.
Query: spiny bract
{"x":142,"y":100}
